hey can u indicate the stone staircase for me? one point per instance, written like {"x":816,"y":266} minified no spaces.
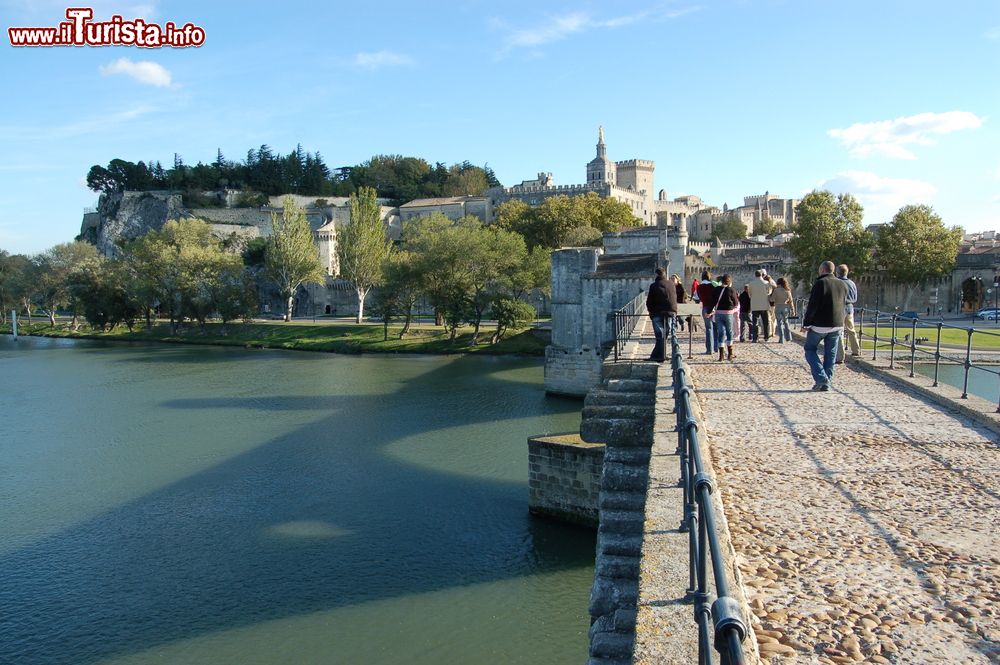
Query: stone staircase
{"x":619,"y":413}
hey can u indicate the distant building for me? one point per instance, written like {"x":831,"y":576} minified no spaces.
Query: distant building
{"x":452,"y":207}
{"x":629,"y":181}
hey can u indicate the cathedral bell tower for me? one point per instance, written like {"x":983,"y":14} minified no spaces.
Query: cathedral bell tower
{"x":601,"y":171}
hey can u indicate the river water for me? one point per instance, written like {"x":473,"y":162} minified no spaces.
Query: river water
{"x":179,"y":504}
{"x":983,"y":381}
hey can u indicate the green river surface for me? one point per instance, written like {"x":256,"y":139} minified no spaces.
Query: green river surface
{"x":202,"y":505}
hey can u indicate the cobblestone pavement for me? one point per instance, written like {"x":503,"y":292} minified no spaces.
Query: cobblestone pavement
{"x":866,"y":521}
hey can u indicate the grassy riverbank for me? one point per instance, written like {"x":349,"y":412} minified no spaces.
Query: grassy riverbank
{"x":302,"y":336}
{"x":986,"y":337}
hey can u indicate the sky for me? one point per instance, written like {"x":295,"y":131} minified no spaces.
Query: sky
{"x":894,"y":102}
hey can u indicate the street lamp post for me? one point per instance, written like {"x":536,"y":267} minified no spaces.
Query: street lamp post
{"x":996,"y":289}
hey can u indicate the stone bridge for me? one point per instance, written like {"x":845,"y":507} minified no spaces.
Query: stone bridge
{"x":861,"y":524}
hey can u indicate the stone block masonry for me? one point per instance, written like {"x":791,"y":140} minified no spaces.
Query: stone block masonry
{"x":619,"y":413}
{"x":564,"y":478}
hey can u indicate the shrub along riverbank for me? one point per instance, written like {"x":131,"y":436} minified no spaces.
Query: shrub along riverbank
{"x":329,"y":337}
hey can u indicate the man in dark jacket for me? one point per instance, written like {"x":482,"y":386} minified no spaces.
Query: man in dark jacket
{"x":661,"y":304}
{"x":824,"y":321}
{"x":744,"y":312}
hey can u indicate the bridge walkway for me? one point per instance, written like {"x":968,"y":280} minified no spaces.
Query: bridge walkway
{"x":865,"y":520}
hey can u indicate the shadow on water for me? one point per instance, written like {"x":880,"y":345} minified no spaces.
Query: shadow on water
{"x":284,"y":529}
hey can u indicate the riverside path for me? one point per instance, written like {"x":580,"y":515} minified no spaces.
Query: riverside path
{"x":864,"y":522}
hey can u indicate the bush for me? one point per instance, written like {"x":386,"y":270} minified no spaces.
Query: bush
{"x":251,"y":199}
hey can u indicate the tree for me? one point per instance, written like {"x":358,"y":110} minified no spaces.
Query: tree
{"x":23,"y":283}
{"x":402,"y":284}
{"x":730,"y":228}
{"x":438,"y":267}
{"x":233,"y":291}
{"x":549,"y":224}
{"x":291,"y":258}
{"x":916,"y":246}
{"x":53,"y":269}
{"x":363,"y":246}
{"x":173,"y":269}
{"x":829,"y":229}
{"x":510,"y":313}
{"x":463,"y":266}
{"x":583,"y":236}
{"x":767,"y":227}
{"x":12,"y":269}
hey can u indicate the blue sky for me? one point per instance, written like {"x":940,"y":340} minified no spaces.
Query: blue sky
{"x":895,"y":102}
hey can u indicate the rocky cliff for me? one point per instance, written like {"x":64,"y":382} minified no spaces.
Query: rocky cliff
{"x":129,"y":215}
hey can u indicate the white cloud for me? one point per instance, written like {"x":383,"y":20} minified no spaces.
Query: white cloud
{"x":882,"y":197}
{"x":144,"y":71}
{"x":889,"y":137}
{"x":380,"y":59}
{"x":557,"y":28}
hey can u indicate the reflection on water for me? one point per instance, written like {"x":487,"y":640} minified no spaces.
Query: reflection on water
{"x":204,"y":505}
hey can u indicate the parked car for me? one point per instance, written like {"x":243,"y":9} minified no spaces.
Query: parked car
{"x":989,"y":314}
{"x":910,"y":315}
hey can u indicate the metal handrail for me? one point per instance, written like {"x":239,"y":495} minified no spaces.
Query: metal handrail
{"x":624,"y":321}
{"x":914,"y":347}
{"x":703,"y":542}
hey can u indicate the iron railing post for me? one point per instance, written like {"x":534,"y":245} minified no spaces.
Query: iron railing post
{"x":913,"y":346}
{"x":937,"y":354}
{"x":861,"y":327}
{"x":968,"y":364}
{"x":892,"y":343}
{"x":875,"y":338}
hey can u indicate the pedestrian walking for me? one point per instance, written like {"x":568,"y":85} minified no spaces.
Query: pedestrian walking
{"x":707,"y":294}
{"x":850,"y":336}
{"x":823,"y":322}
{"x":661,"y":305}
{"x":744,"y":312}
{"x":727,"y":307}
{"x":681,"y":298}
{"x":784,"y":307}
{"x":760,"y":307}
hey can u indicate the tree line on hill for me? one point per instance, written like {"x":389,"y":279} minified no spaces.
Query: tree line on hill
{"x":466,"y":270}
{"x":265,"y":173}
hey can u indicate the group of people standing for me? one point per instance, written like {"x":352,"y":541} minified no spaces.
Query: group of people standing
{"x":760,"y":310}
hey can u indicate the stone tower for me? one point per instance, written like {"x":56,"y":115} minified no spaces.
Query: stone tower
{"x":677,"y":248}
{"x":326,"y":242}
{"x":637,"y":175}
{"x":600,"y":170}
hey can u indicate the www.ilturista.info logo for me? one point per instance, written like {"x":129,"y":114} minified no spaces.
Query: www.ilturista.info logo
{"x":80,"y":30}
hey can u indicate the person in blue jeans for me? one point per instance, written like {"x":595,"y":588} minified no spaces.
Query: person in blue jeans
{"x":726,"y":308}
{"x":823,"y":322}
{"x":708,"y":294}
{"x":784,"y":306}
{"x":661,"y":305}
